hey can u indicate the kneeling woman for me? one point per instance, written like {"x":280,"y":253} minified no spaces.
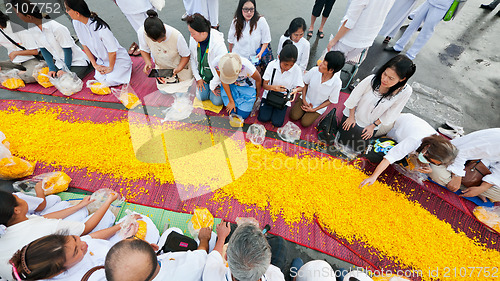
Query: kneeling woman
{"x":110,"y":60}
{"x":238,"y":90}
{"x":54,"y":40}
{"x":378,"y":99}
{"x":282,"y":74}
{"x":169,"y":50}
{"x":206,"y":44}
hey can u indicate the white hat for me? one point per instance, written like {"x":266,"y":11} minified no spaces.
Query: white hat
{"x":229,"y":67}
{"x":359,"y":275}
{"x":316,"y":270}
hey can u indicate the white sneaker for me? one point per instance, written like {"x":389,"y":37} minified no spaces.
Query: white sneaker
{"x":449,"y":133}
{"x":455,"y":127}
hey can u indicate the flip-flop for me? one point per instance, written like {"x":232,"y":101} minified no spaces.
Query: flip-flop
{"x":309,"y":34}
{"x":132,"y":48}
{"x":321,"y":34}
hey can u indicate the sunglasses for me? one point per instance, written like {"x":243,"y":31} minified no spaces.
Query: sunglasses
{"x":248,"y":10}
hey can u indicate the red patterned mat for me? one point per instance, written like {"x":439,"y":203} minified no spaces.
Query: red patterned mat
{"x":445,"y":205}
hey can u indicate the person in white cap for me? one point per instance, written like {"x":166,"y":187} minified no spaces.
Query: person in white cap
{"x":316,"y":270}
{"x":240,"y":82}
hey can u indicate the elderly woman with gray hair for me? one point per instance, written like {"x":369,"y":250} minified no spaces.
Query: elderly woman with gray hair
{"x":248,"y":256}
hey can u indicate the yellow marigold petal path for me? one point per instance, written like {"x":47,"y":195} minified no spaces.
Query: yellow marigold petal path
{"x":289,"y":187}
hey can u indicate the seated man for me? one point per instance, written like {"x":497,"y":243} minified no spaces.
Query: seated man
{"x":248,"y":256}
{"x":135,"y":259}
{"x":480,"y":145}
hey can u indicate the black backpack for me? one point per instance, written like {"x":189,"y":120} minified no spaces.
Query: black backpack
{"x":327,"y":128}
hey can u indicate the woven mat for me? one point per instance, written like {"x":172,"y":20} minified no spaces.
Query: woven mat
{"x":445,"y":205}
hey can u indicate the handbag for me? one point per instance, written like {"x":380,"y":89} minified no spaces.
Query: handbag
{"x":177,"y":242}
{"x":91,"y":271}
{"x":277,"y":99}
{"x":475,"y":170}
{"x":327,"y":127}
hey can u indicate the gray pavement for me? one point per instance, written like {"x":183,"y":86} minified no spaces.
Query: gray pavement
{"x":457,"y":78}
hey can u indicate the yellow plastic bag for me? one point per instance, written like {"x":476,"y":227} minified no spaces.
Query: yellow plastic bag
{"x":126,"y":96}
{"x":200,"y":219}
{"x":98,"y":88}
{"x":13,"y":168}
{"x":13,"y":83}
{"x":55,"y":182}
{"x":42,"y":77}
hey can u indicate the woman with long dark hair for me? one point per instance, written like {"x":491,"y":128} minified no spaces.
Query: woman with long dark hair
{"x":378,"y":99}
{"x":249,"y":35}
{"x":295,"y":33}
{"x":110,"y":60}
{"x":54,"y":40}
{"x":206,"y":44}
{"x":169,"y":50}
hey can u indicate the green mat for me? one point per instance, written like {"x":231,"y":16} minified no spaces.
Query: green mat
{"x":163,"y":219}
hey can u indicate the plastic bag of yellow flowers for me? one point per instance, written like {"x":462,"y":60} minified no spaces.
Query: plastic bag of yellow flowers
{"x":138,"y":226}
{"x":53,"y":182}
{"x":98,"y":88}
{"x":200,"y":219}
{"x":40,"y":73}
{"x":11,"y":79}
{"x":126,"y":96}
{"x":489,"y":216}
{"x":4,"y":146}
{"x":14,"y":167}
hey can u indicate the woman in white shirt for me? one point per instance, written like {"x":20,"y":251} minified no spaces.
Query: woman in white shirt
{"x":54,"y":40}
{"x":238,"y":90}
{"x":378,"y":99}
{"x":22,"y":59}
{"x":415,"y":135}
{"x":169,"y":50}
{"x":282,"y":74}
{"x":295,"y":32}
{"x":205,"y":44}
{"x":22,"y":229}
{"x":110,"y":60}
{"x":322,"y":88}
{"x":249,"y":35}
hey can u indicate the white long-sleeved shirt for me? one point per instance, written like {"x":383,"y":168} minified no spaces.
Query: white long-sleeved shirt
{"x":408,"y":131}
{"x":364,"y":98}
{"x":484,"y":145}
{"x":248,"y":43}
{"x":364,"y":18}
{"x":303,"y":47}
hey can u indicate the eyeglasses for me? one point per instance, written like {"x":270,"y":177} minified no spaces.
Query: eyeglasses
{"x":248,"y":10}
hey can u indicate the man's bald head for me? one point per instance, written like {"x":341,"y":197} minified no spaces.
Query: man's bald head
{"x":130,"y":260}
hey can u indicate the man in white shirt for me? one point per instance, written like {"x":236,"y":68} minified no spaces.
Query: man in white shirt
{"x":360,"y":25}
{"x":248,"y":256}
{"x":134,"y":259}
{"x":480,"y":145}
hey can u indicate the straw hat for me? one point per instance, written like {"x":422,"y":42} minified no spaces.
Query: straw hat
{"x":229,"y":67}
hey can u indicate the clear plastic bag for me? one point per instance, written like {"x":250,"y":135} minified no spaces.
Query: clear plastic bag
{"x":256,"y":133}
{"x":200,"y":219}
{"x":290,"y":132}
{"x":4,"y":141}
{"x":40,"y":73}
{"x":100,"y":196}
{"x":4,"y":146}
{"x":256,"y":107}
{"x":489,"y":216}
{"x":133,"y":227}
{"x":11,"y":80}
{"x":98,"y":88}
{"x":14,"y":168}
{"x":179,"y":110}
{"x":236,"y":121}
{"x":414,"y":175}
{"x":53,"y":182}
{"x":126,"y":95}
{"x":68,"y":84}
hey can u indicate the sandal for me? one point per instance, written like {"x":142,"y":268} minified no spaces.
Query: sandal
{"x":386,"y":40}
{"x":309,"y":34}
{"x":132,"y":49}
{"x":321,"y":34}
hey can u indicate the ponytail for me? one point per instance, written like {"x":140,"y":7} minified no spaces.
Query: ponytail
{"x":81,"y":7}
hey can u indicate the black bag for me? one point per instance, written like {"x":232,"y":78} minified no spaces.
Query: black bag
{"x":277,"y":99}
{"x":327,"y":127}
{"x":179,"y":243}
{"x":378,"y":148}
